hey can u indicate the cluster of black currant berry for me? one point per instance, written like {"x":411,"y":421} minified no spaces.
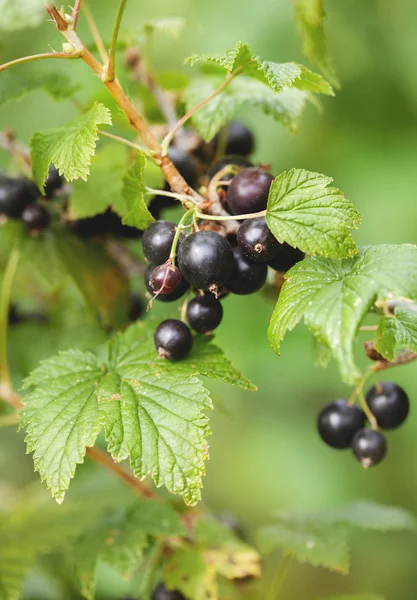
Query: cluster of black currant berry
{"x":343,"y":425}
{"x":209,"y":260}
{"x":21,"y":199}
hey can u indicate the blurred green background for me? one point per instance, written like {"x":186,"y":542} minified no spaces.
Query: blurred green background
{"x":265,"y":452}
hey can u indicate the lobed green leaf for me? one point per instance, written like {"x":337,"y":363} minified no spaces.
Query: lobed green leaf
{"x":133,"y":192}
{"x":398,"y":331}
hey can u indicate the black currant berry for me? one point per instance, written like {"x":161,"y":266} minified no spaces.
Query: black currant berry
{"x":180,"y":291}
{"x":228,"y":160}
{"x":53,"y":182}
{"x":162,"y":593}
{"x":240,"y":139}
{"x":135,"y":308}
{"x":165,"y":279}
{"x":389,"y":404}
{"x":286,"y":258}
{"x":249,"y":190}
{"x":157,"y":241}
{"x":204,"y":313}
{"x":108,"y":223}
{"x":35,"y":217}
{"x":205,"y":260}
{"x":256,"y":241}
{"x":173,"y":339}
{"x":15,"y":194}
{"x":185,"y":164}
{"x":369,"y":447}
{"x":247,"y":277}
{"x":338,"y":422}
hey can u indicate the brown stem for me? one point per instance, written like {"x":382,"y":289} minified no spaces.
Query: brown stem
{"x":381,"y":363}
{"x":75,"y":13}
{"x":105,"y":460}
{"x":57,"y":18}
{"x":42,"y":56}
{"x":10,"y":397}
{"x":9,"y":143}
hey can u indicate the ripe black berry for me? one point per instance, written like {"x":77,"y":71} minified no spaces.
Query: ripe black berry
{"x":369,"y":447}
{"x":204,"y":313}
{"x":205,"y":259}
{"x":389,"y":404}
{"x":105,"y":224}
{"x":15,"y":194}
{"x":230,"y":159}
{"x":35,"y":217}
{"x":338,"y":422}
{"x":249,"y":190}
{"x":240,"y":139}
{"x":161,"y":593}
{"x":185,"y":165}
{"x":247,"y":277}
{"x":173,"y":339}
{"x":53,"y":182}
{"x":286,"y":258}
{"x":165,"y":279}
{"x":256,"y":241}
{"x":135,"y":308}
{"x":157,"y":241}
{"x":177,"y":293}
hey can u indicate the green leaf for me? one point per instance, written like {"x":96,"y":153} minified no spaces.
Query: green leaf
{"x":133,"y":192}
{"x":397,"y":331}
{"x":69,"y":148}
{"x":241,"y":60}
{"x":371,"y":515}
{"x":334,"y":297}
{"x":20,"y":14}
{"x":310,"y":16}
{"x":104,"y":186}
{"x":307,"y":214}
{"x":16,"y":83}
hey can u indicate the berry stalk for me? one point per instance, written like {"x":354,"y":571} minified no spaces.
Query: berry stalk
{"x":6,"y":291}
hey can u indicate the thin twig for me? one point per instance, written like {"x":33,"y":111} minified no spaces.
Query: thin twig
{"x":25,"y":59}
{"x":207,"y":217}
{"x":10,"y":397}
{"x":75,"y":13}
{"x":111,"y":67}
{"x":95,"y":32}
{"x":6,"y":292}
{"x":122,"y":140}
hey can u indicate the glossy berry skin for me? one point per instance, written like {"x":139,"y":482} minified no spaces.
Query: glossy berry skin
{"x":249,"y":190}
{"x":256,"y":241}
{"x":204,"y":313}
{"x":338,"y":423}
{"x":173,"y":339}
{"x":286,"y":258}
{"x":205,"y":260}
{"x":15,"y":194}
{"x":389,"y":404}
{"x":161,"y":593}
{"x":165,"y":279}
{"x":247,"y":277}
{"x":157,"y":241}
{"x":369,"y":447}
{"x":35,"y":217}
{"x":180,"y":291}
{"x":53,"y":182}
{"x":240,"y":139}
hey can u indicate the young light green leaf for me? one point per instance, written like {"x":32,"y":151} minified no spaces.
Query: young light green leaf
{"x":310,"y":16}
{"x":241,"y":60}
{"x":20,"y":14}
{"x":397,"y":331}
{"x":16,"y":83}
{"x":69,"y":148}
{"x":307,"y":214}
{"x":334,"y":297}
{"x":133,"y":192}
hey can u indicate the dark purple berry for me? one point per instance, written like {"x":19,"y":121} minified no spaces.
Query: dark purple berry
{"x":389,"y":404}
{"x":249,"y":191}
{"x":157,"y":241}
{"x":286,"y":258}
{"x":135,"y":308}
{"x":247,"y":277}
{"x":173,"y":339}
{"x":53,"y":182}
{"x":180,"y":291}
{"x":231,"y":159}
{"x":256,"y":241}
{"x":185,"y":164}
{"x":338,"y":422}
{"x":240,"y":139}
{"x":205,"y":259}
{"x":107,"y":223}
{"x":15,"y":194}
{"x":165,"y":279}
{"x":35,"y":217}
{"x":162,"y":593}
{"x":204,"y":313}
{"x":369,"y":447}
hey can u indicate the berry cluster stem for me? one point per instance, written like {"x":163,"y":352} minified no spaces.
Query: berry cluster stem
{"x":6,"y":291}
{"x":181,"y":225}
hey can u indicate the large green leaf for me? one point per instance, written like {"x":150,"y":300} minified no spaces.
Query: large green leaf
{"x":397,"y":331}
{"x":69,"y":148}
{"x":307,"y":214}
{"x":137,"y":214}
{"x":334,"y":296}
{"x":16,"y":83}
